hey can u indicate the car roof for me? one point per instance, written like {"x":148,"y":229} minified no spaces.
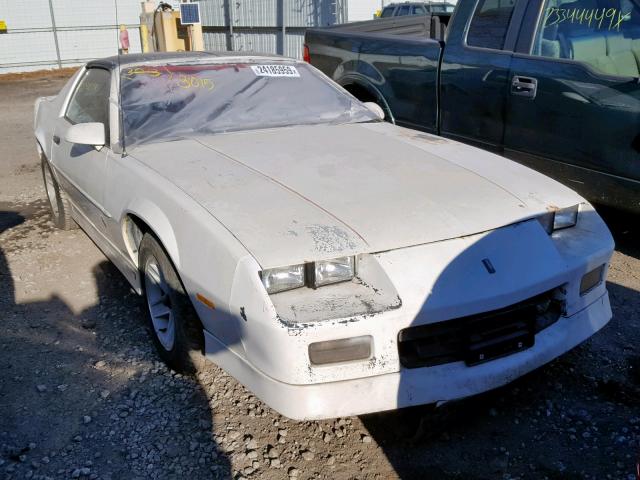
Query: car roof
{"x":111,"y":63}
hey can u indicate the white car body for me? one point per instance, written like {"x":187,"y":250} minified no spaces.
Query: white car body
{"x":421,"y":213}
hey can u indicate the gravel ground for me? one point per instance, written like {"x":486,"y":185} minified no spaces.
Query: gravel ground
{"x":83,"y":395}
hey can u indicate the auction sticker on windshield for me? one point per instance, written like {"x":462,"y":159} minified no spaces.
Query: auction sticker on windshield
{"x":275,"y":70}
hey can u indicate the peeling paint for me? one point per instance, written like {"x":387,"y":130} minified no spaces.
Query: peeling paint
{"x":365,"y":284}
{"x":329,"y":238}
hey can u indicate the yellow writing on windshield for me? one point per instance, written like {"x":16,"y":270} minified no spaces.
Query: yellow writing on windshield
{"x":611,"y":18}
{"x":152,"y":72}
{"x":181,"y":80}
{"x":191,"y":81}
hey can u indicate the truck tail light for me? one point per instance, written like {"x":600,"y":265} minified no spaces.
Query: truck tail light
{"x":305,"y":55}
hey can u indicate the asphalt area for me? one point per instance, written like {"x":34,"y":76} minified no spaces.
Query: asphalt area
{"x":83,"y":394}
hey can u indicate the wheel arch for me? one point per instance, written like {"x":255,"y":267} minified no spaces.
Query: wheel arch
{"x":145,"y":217}
{"x":366,"y":92}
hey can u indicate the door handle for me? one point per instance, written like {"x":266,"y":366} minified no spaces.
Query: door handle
{"x":56,"y":139}
{"x":524,"y":86}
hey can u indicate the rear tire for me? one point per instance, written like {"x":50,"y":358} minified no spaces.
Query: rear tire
{"x":175,"y":326}
{"x":59,"y":205}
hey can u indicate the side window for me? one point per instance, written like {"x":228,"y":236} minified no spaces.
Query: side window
{"x":490,"y":22}
{"x":90,"y":100}
{"x":404,"y":10}
{"x":419,"y":11}
{"x":605,"y":36}
{"x":387,"y":12}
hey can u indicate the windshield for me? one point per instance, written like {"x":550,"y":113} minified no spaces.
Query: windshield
{"x":167,"y":102}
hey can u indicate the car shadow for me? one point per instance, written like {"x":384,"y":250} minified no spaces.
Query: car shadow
{"x":545,"y":424}
{"x":83,"y":392}
{"x":523,"y":429}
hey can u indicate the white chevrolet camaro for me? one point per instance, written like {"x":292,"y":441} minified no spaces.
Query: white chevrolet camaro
{"x":331,"y":262}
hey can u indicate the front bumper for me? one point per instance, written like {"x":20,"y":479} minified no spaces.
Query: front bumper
{"x":410,"y":387}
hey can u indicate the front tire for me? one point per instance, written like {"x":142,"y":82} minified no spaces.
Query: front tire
{"x":175,"y":326}
{"x":59,"y":205}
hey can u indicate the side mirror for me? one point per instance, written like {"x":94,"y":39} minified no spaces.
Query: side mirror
{"x":86,"y":134}
{"x":375,"y":108}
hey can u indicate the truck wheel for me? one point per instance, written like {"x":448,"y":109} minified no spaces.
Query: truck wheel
{"x":59,"y":205}
{"x":175,"y":326}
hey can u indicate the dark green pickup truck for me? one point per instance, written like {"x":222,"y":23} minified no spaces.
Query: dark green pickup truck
{"x":553,"y":84}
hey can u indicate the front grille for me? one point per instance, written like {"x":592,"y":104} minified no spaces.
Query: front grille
{"x":478,"y":338}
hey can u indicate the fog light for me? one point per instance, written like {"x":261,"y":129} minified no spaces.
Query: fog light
{"x":344,"y":350}
{"x":591,"y":280}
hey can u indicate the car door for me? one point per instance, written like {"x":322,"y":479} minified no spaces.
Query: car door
{"x":574,"y":107}
{"x":475,"y":71}
{"x":81,"y":169}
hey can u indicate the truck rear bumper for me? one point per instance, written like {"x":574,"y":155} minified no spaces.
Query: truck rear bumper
{"x":410,"y":387}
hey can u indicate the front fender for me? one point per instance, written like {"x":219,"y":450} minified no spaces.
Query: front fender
{"x":159,"y":224}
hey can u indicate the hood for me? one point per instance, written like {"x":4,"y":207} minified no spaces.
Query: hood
{"x":299,"y":194}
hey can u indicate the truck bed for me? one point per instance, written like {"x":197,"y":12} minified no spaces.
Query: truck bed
{"x":431,"y":26}
{"x":391,"y":60}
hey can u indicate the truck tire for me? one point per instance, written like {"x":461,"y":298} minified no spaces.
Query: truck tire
{"x":59,"y":205}
{"x":175,"y":327}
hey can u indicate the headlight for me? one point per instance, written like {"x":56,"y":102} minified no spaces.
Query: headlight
{"x":332,"y":271}
{"x":281,"y":279}
{"x":313,"y":274}
{"x":566,"y":217}
{"x":559,"y":219}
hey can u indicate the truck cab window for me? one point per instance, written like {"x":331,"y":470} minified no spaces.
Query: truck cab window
{"x":603,"y":34}
{"x":387,"y":12}
{"x":489,"y":24}
{"x":404,"y":10}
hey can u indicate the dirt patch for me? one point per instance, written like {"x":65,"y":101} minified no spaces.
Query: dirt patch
{"x":38,"y":75}
{"x":26,"y":168}
{"x":13,"y":215}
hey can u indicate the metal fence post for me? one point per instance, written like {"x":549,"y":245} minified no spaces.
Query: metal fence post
{"x":55,"y":33}
{"x":229,"y":18}
{"x":284,"y":27}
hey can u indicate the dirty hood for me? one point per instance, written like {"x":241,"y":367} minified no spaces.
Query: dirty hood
{"x":299,"y":194}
